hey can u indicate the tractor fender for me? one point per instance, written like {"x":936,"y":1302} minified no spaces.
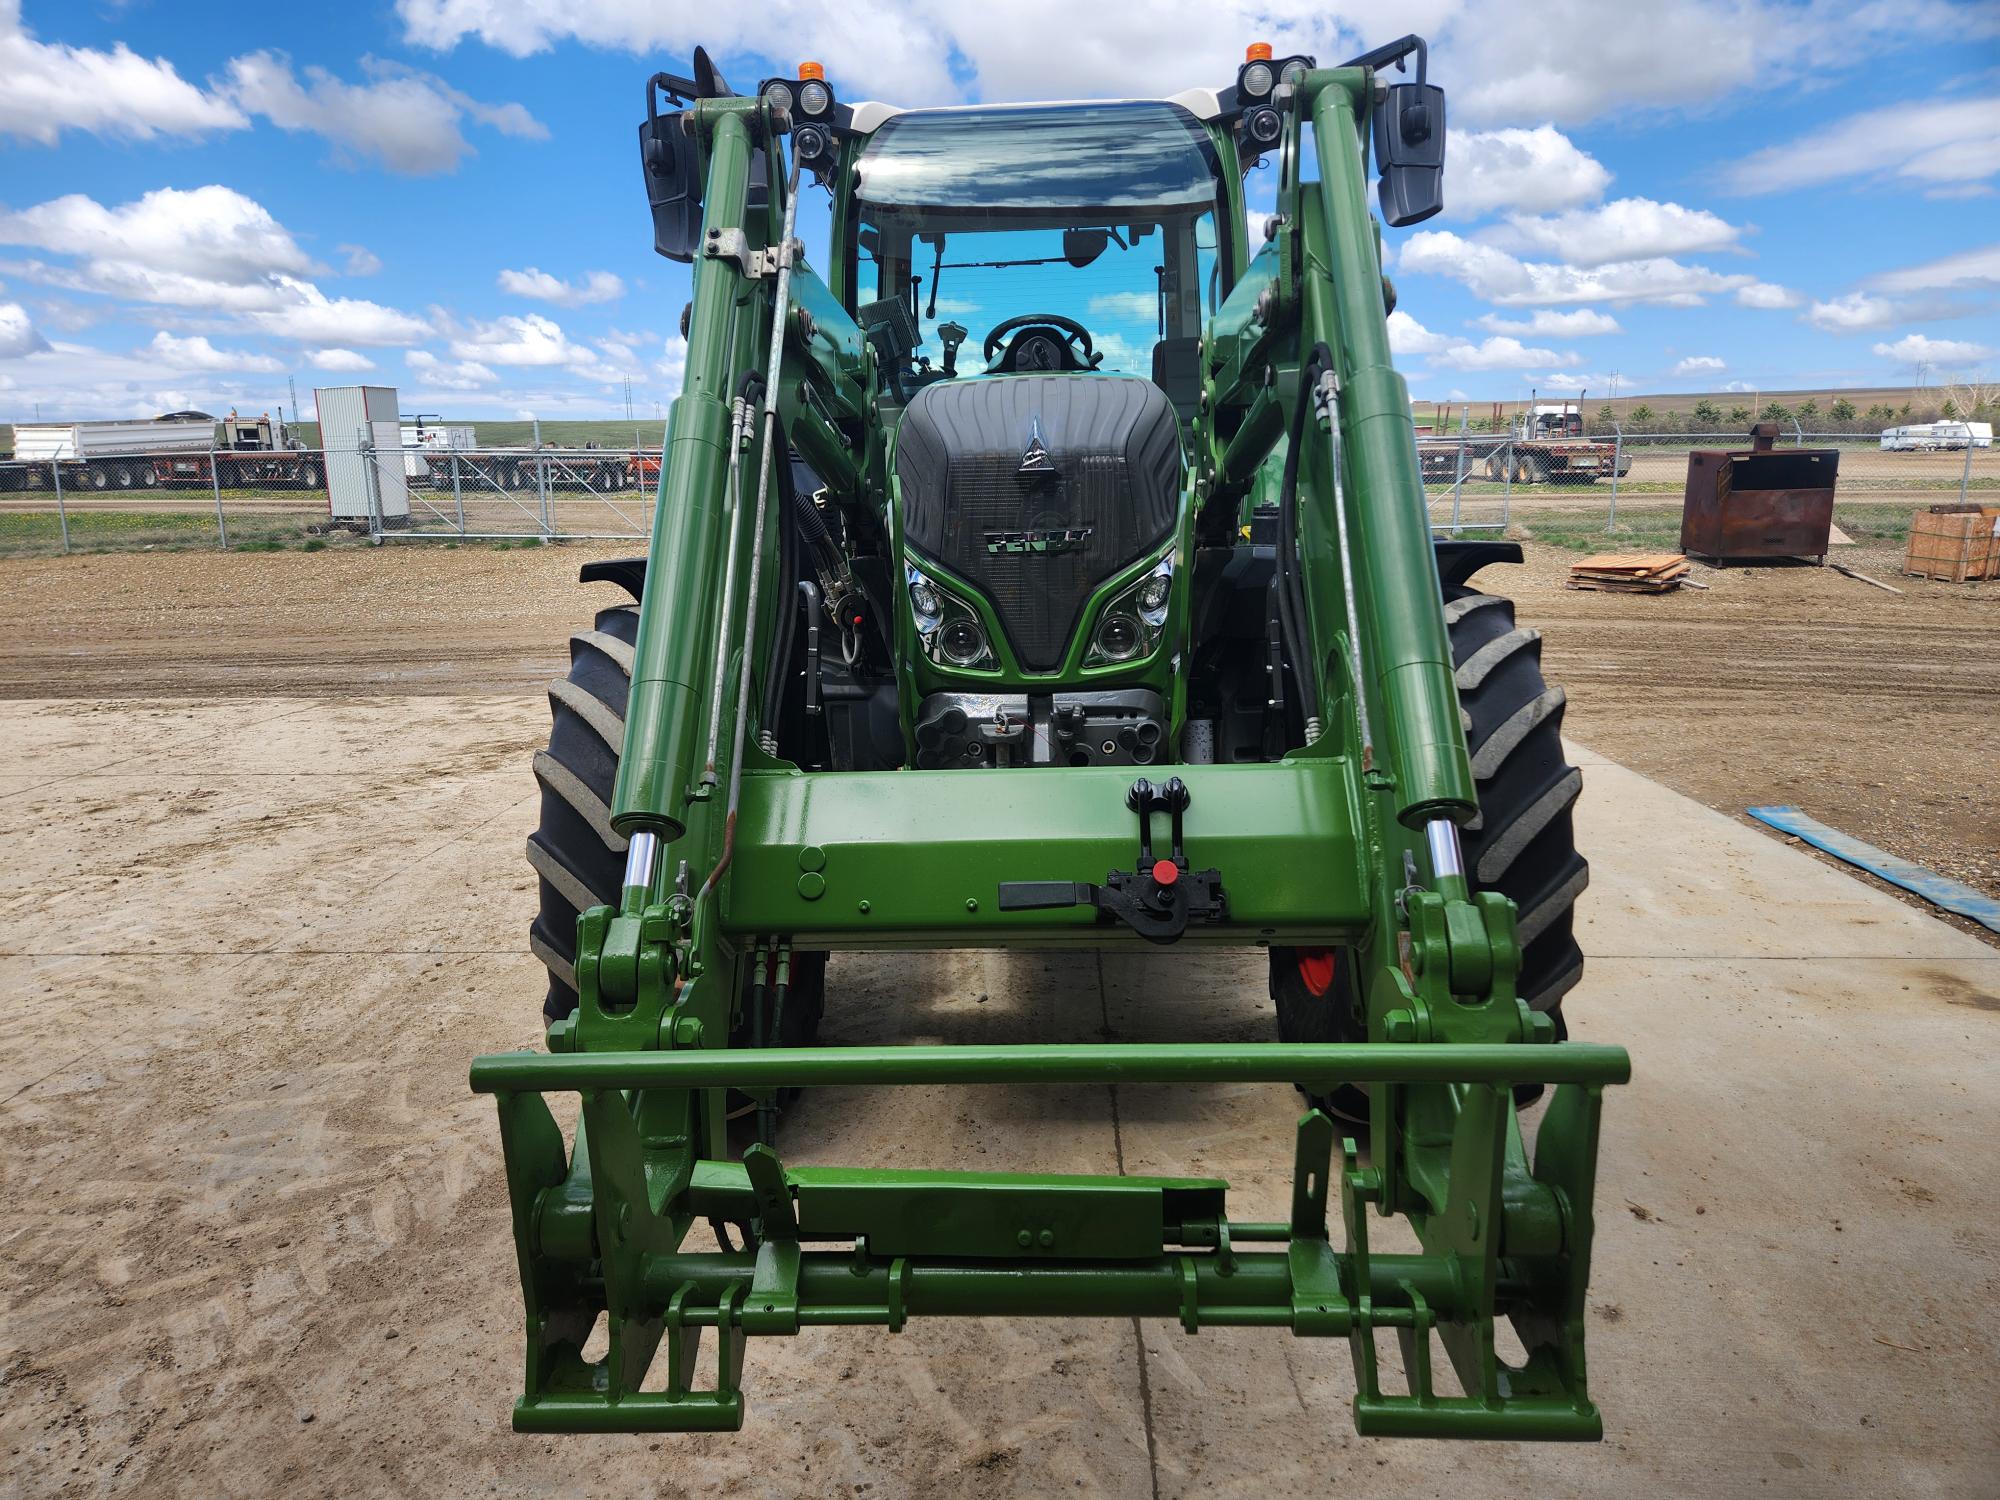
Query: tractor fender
{"x":629,"y":573}
{"x":1457,"y":559}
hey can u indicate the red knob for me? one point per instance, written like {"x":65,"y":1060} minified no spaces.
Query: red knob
{"x":1165,"y":872}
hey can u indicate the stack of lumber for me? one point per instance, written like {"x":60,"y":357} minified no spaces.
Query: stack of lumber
{"x":1629,"y":572}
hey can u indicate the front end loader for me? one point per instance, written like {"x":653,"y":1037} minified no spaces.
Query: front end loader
{"x":1120,"y":626}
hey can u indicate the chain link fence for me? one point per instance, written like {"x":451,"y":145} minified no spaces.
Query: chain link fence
{"x":1625,"y":488}
{"x":232,"y":499}
{"x":1621,"y":489}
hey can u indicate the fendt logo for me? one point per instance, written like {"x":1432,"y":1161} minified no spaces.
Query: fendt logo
{"x":1060,"y":539}
{"x":1035,"y":457}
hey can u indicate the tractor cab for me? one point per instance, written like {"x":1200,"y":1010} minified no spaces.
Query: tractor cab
{"x":1085,"y":238}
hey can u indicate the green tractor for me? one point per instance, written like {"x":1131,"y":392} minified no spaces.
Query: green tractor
{"x":1122,"y":626}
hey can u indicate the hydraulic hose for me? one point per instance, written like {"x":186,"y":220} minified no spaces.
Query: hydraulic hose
{"x":1291,"y":603}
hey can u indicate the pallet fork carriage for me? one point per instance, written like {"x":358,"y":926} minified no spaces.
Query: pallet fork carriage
{"x":750,"y":836}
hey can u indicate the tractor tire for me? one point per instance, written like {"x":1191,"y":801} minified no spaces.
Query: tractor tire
{"x":1522,"y":844}
{"x":578,"y":860}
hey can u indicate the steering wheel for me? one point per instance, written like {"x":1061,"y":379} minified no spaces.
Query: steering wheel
{"x":1072,"y":330}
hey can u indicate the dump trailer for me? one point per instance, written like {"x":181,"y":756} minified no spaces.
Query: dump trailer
{"x":107,"y":455}
{"x":1118,"y":629}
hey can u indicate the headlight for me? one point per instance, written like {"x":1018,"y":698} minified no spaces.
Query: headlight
{"x":1264,"y":126}
{"x":963,"y":643}
{"x":1293,"y":72}
{"x":778,"y":94}
{"x":1133,"y":622}
{"x":814,"y":97}
{"x":1119,"y":637}
{"x":948,"y":627}
{"x":1256,"y":80}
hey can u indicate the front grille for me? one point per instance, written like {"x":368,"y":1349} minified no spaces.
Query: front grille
{"x":1060,"y":534}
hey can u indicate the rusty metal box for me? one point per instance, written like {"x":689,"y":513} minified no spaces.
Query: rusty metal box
{"x":1760,"y":503}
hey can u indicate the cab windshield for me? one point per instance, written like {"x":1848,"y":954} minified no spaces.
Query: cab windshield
{"x":1104,"y":214}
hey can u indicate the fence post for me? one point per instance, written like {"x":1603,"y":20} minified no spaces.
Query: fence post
{"x":1617,"y":463}
{"x":62,"y":515}
{"x":1507,"y":483}
{"x":457,"y":495}
{"x":1798,"y":434}
{"x":541,"y":479}
{"x":1965,"y":475}
{"x":215,"y":488}
{"x":1458,"y":480}
{"x":374,"y":477}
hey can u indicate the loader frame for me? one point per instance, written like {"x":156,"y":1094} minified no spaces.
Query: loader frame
{"x":737,"y":859}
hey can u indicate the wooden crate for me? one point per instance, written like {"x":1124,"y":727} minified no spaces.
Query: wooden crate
{"x":1955,"y":546}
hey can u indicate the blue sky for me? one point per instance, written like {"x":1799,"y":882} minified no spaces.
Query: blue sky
{"x":200,"y":201}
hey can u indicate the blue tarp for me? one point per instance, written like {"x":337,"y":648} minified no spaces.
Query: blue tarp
{"x":1953,"y":895}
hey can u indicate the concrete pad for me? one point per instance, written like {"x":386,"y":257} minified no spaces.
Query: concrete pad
{"x":247,"y":1186}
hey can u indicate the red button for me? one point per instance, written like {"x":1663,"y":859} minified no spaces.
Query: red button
{"x":1165,"y":872}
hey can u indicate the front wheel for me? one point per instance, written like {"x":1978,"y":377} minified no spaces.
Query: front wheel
{"x":579,"y":861}
{"x":1522,"y":844}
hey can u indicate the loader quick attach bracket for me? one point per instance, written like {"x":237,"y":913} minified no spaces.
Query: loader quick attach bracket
{"x":599,"y":1231}
{"x":1159,"y":898}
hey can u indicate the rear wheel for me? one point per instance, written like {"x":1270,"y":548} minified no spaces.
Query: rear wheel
{"x":97,"y":477}
{"x":577,"y":858}
{"x":1523,"y":843}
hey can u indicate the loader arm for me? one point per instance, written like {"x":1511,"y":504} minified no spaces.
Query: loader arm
{"x":737,"y":859}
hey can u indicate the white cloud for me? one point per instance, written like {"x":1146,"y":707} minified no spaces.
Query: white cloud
{"x":1447,"y":351}
{"x":361,"y":261}
{"x":672,"y":364}
{"x":1624,"y":230}
{"x":406,"y":120}
{"x":1741,"y":387}
{"x":1915,"y":350}
{"x":1499,"y":353}
{"x":1766,"y":294}
{"x":1979,"y":267}
{"x":1851,"y":314}
{"x":345,"y":360}
{"x":1518,"y":171}
{"x":1700,"y":364}
{"x":1130,"y":307}
{"x":212,"y":234}
{"x":1495,"y":276}
{"x":307,"y":314}
{"x":596,"y":286}
{"x":1584,"y":322}
{"x":197,"y":353}
{"x":207,"y":248}
{"x":511,"y":340}
{"x":1939,"y":141}
{"x":51,"y":88}
{"x":467,"y":375}
{"x":17,"y":332}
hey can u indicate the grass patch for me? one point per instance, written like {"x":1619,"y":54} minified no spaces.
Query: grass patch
{"x":1647,"y":529}
{"x":39,"y":533}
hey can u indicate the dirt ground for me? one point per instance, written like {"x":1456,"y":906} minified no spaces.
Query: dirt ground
{"x":1872,"y":711}
{"x":264,"y":899}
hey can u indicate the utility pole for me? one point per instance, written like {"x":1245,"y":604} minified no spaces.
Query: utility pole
{"x":292,"y":384}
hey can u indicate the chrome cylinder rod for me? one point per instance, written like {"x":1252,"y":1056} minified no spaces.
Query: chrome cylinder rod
{"x":739,"y":422}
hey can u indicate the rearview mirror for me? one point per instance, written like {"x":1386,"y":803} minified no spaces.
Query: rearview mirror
{"x":672,"y":169}
{"x":1082,"y":246}
{"x":1409,"y":153}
